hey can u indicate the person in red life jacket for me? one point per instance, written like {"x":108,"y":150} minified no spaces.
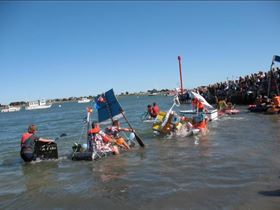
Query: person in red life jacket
{"x":28,"y":141}
{"x":275,"y":105}
{"x":102,"y":141}
{"x":155,"y":110}
{"x":200,"y":106}
{"x":114,"y":133}
{"x":200,"y":121}
{"x":195,"y":103}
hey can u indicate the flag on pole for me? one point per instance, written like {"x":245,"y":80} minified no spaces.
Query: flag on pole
{"x":276,"y":58}
{"x":107,"y":106}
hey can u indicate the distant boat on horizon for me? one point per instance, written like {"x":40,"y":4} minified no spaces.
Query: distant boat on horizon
{"x":153,"y":94}
{"x":11,"y":109}
{"x":83,"y":100}
{"x":38,"y":104}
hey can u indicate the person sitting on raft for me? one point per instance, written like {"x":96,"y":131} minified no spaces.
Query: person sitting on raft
{"x":262,"y":103}
{"x":222,"y":105}
{"x":276,"y":100}
{"x":28,"y":141}
{"x":229,"y":104}
{"x":114,"y":131}
{"x":102,"y":141}
{"x":275,"y":104}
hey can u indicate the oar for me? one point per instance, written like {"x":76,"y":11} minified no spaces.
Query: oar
{"x":61,"y":135}
{"x":139,"y":140}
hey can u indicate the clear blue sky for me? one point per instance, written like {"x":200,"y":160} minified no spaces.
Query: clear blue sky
{"x":62,"y":49}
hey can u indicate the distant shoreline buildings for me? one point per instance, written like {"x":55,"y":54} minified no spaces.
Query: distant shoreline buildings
{"x":76,"y":99}
{"x":240,"y":91}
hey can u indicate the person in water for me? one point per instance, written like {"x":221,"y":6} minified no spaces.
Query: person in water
{"x":275,"y":105}
{"x":155,"y":110}
{"x":114,"y":133}
{"x":103,"y":142}
{"x":198,"y":105}
{"x":28,"y":141}
{"x":222,"y":105}
{"x":149,"y":110}
{"x":200,"y":121}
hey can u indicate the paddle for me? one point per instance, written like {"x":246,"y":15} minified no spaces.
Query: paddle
{"x":139,"y":140}
{"x":61,"y":135}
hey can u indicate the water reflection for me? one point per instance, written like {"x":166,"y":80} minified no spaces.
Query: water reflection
{"x":38,"y":175}
{"x":111,"y":169}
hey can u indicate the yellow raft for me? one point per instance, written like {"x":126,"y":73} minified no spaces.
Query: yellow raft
{"x":163,"y":125}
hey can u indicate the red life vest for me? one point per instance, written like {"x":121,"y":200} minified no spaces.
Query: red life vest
{"x":200,"y":105}
{"x":28,"y":142}
{"x":155,"y":110}
{"x":94,"y":130}
{"x":201,"y":125}
{"x":25,"y":136}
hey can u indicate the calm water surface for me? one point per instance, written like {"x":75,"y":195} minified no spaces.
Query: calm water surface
{"x":227,"y":169}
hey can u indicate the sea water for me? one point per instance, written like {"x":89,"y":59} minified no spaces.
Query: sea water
{"x":225,"y":169}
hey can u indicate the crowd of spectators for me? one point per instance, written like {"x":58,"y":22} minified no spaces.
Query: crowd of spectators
{"x":245,"y":89}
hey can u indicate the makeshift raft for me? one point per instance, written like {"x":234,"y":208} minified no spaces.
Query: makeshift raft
{"x":108,"y":108}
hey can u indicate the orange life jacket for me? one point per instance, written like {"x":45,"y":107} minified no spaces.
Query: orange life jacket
{"x":96,"y":130}
{"x":201,"y":125}
{"x":200,"y":105}
{"x":25,"y":136}
{"x":276,"y":101}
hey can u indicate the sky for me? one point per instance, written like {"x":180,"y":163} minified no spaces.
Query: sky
{"x":58,"y":49}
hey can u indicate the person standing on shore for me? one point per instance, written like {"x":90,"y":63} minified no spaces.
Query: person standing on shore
{"x":28,"y":141}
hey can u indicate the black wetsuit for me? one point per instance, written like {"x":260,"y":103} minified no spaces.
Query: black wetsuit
{"x":27,"y":151}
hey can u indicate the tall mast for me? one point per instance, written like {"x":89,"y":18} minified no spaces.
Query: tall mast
{"x":89,"y":140}
{"x":180,"y":67}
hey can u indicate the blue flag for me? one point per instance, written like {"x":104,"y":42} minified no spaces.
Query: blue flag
{"x":276,"y":58}
{"x":96,"y":106}
{"x":107,"y":106}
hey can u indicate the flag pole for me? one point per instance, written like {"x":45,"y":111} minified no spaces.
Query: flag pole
{"x":180,"y":68}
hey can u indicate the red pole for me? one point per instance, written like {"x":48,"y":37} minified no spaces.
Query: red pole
{"x":180,"y":67}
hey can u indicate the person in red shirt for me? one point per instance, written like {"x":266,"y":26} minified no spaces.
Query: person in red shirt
{"x":28,"y":141}
{"x":155,"y":110}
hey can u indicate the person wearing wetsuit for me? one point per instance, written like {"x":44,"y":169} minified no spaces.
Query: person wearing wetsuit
{"x":28,"y":141}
